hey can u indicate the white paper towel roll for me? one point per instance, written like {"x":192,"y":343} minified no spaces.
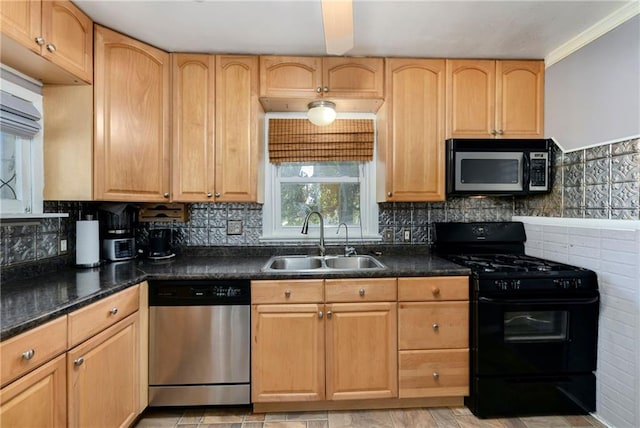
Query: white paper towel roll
{"x":87,"y":243}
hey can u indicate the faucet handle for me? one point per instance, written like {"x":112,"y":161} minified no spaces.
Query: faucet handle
{"x":349,"y":251}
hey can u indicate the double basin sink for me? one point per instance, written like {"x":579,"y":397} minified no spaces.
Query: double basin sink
{"x":322,"y":264}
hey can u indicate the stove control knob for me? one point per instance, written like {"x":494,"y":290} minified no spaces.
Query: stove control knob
{"x":515,"y":284}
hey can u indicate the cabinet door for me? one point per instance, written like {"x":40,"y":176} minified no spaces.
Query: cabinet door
{"x":193,"y":127}
{"x":103,"y":377}
{"x":287,"y":353}
{"x":290,"y":76}
{"x":361,"y":351}
{"x":520,"y":99}
{"x":471,"y":98}
{"x":21,"y":21}
{"x":37,"y":399}
{"x":415,"y":130}
{"x":238,"y":128}
{"x":68,"y":35}
{"x":131,"y":142}
{"x":353,"y":77}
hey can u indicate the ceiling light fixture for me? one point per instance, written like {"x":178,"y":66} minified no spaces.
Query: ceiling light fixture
{"x":321,"y":113}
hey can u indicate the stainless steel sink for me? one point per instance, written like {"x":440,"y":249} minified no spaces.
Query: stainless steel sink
{"x":322,"y":264}
{"x":353,"y":262}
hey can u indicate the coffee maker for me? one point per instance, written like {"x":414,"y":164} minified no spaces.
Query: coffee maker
{"x":116,"y":231}
{"x":160,"y":244}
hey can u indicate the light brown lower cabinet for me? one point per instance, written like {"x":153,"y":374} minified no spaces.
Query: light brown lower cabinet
{"x":37,"y":399}
{"x":103,"y":377}
{"x":101,"y":380}
{"x":303,"y":350}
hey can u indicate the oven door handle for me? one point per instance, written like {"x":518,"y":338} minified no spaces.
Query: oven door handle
{"x":584,"y":301}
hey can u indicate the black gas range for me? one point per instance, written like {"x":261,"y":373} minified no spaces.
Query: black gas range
{"x":533,"y":323}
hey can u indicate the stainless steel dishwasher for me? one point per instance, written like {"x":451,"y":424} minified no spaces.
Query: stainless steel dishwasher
{"x":199,"y":342}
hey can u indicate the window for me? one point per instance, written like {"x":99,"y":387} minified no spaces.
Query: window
{"x":21,"y":167}
{"x":342,"y":191}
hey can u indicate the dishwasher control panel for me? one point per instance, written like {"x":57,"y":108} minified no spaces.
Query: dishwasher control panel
{"x":200,"y":292}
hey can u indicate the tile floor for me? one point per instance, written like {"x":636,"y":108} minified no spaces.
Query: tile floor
{"x":410,"y":418}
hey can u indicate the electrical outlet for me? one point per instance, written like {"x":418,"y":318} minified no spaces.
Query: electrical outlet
{"x":388,"y":235}
{"x":63,"y":245}
{"x":234,"y":227}
{"x":407,"y":235}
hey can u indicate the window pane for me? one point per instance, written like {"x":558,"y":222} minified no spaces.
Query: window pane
{"x":337,"y":202}
{"x":319,"y":169}
{"x":9,"y":169}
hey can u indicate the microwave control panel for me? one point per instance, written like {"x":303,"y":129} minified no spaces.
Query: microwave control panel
{"x":538,"y":171}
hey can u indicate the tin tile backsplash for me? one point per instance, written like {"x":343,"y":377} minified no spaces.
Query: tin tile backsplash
{"x":599,"y":182}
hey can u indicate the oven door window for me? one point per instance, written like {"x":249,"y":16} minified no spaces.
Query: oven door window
{"x":536,"y":326}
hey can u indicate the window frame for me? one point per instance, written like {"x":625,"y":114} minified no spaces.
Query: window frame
{"x":32,"y":160}
{"x":272,"y":231}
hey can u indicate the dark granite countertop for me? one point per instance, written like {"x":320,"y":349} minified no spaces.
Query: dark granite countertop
{"x":30,"y":302}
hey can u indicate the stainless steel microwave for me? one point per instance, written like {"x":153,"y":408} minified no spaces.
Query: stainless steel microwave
{"x":498,"y":167}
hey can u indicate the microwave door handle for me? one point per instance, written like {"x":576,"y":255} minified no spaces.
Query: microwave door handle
{"x":525,"y":176}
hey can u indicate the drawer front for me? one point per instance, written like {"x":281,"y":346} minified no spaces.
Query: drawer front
{"x":360,"y":290}
{"x":433,"y":288}
{"x":288,"y":291}
{"x":434,"y":373}
{"x":96,"y":317}
{"x":433,"y":325}
{"x":29,"y":350}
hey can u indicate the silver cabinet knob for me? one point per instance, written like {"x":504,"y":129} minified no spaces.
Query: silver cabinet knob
{"x":362,"y":291}
{"x":436,"y":375}
{"x":494,"y":132}
{"x":435,"y":326}
{"x":325,"y":89}
{"x":217,"y":194}
{"x":329,"y":313}
{"x":500,"y":132}
{"x":209,"y":194}
{"x":39,"y":40}
{"x":166,"y":195}
{"x":320,"y":314}
{"x":287,"y":293}
{"x":113,"y":311}
{"x":51,"y":47}
{"x":28,"y":354}
{"x":78,"y":361}
{"x":318,"y":89}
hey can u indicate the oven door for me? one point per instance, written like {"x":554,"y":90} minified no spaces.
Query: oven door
{"x":535,"y":336}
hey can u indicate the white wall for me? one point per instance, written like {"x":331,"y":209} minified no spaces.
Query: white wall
{"x":612,"y":249}
{"x":593,"y":95}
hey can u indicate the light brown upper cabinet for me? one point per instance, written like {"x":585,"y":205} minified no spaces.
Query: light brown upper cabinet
{"x":411,"y":138}
{"x":216,"y":128}
{"x":287,"y":83}
{"x":131,"y":127}
{"x":495,"y":99}
{"x":55,"y":30}
{"x":193,"y":173}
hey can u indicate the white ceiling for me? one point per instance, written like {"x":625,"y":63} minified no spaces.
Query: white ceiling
{"x":419,"y":28}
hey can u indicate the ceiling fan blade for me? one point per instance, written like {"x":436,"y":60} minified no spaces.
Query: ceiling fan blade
{"x":337,"y":18}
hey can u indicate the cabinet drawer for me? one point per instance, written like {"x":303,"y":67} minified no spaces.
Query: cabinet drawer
{"x":434,"y":373}
{"x":433,"y":288}
{"x":94,"y":318}
{"x":360,"y":290}
{"x":295,"y":291}
{"x":432,"y":325}
{"x":28,"y":350}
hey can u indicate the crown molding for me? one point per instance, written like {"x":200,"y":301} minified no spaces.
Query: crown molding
{"x":607,"y":24}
